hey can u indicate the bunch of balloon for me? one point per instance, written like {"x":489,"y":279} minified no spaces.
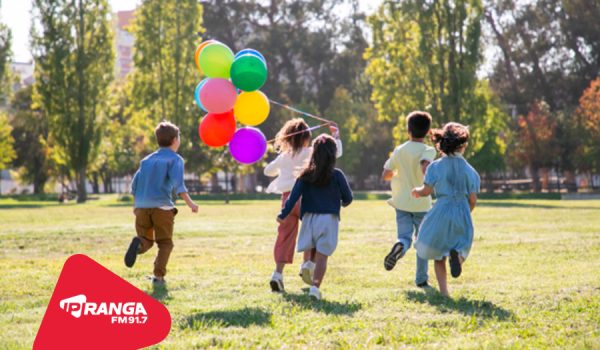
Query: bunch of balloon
{"x":231,"y":93}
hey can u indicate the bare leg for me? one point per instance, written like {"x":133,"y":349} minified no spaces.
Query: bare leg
{"x":320,"y":268}
{"x":440,"y":274}
{"x":279,"y":267}
{"x":310,"y":255}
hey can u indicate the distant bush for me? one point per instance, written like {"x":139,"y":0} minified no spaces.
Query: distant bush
{"x":125,"y":198}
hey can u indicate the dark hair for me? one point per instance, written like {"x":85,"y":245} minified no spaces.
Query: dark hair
{"x":452,"y":137}
{"x":166,"y":133}
{"x":320,"y":169}
{"x":300,"y":134}
{"x":418,"y":123}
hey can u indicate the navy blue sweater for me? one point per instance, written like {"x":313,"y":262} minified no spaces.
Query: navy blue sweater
{"x":319,"y":199}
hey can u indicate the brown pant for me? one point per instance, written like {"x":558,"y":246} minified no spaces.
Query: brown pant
{"x":287,"y":231}
{"x":154,"y":224}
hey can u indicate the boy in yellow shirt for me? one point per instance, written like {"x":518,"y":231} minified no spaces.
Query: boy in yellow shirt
{"x":405,"y":169}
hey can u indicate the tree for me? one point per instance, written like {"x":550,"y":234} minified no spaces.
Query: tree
{"x":7,"y":153}
{"x":548,"y":52}
{"x":163,"y":82}
{"x":535,"y":144}
{"x":425,"y":56}
{"x":72,"y":48}
{"x":5,"y":54}
{"x":589,"y":113}
{"x":312,"y":49}
{"x":32,"y":145}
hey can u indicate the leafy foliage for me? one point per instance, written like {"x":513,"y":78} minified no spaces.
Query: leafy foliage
{"x":72,"y":47}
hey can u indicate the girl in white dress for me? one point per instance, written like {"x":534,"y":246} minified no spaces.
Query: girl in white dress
{"x":294,"y":155}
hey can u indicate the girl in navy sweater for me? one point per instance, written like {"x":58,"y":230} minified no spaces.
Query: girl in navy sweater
{"x":324,"y":189}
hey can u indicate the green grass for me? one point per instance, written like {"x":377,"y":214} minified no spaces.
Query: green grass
{"x":531,"y":281}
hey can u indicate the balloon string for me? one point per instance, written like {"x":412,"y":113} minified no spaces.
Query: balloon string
{"x":301,"y":112}
{"x":299,"y":132}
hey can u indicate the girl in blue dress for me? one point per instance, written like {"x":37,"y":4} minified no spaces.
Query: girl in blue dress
{"x":447,"y":229}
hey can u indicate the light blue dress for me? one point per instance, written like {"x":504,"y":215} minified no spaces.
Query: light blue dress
{"x":448,"y":224}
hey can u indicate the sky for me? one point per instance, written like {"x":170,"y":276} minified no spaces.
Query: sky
{"x":16,"y":14}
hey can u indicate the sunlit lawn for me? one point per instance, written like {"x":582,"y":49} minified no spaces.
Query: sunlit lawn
{"x":532,"y":280}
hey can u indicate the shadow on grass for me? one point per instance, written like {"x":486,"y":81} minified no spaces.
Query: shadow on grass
{"x":22,"y":206}
{"x":479,"y":308}
{"x":324,"y":306}
{"x":231,"y":318}
{"x":512,"y":204}
{"x":160,"y":293}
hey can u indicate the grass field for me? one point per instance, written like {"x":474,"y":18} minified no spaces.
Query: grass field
{"x":532,"y":280}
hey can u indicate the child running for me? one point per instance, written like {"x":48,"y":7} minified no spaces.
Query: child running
{"x":447,"y":230}
{"x":292,"y":142}
{"x":324,"y":189}
{"x":160,"y":174}
{"x":405,"y":169}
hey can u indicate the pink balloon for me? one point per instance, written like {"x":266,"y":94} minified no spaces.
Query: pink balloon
{"x":218,"y":95}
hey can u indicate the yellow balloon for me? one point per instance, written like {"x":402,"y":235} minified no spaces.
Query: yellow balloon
{"x":251,"y":108}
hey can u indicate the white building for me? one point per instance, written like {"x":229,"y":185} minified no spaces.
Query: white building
{"x":124,"y":42}
{"x":24,"y":72}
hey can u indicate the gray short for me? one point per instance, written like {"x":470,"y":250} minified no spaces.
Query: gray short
{"x":319,"y":231}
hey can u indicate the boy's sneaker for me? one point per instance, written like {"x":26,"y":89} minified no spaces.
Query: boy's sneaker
{"x":307,"y":271}
{"x":132,"y":251}
{"x":157,"y":282}
{"x":455,"y":267}
{"x":393,"y":256}
{"x":277,"y":283}
{"x":314,"y":293}
{"x":423,"y":285}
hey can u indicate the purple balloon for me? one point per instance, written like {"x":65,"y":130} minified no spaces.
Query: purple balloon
{"x":248,"y":145}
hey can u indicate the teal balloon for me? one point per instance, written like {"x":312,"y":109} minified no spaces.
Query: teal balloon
{"x":215,"y":60}
{"x":248,"y":72}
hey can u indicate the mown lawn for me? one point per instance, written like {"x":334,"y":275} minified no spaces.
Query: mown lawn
{"x":532,"y":280}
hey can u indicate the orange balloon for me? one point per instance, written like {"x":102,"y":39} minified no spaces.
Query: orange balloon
{"x":198,"y":50}
{"x":217,"y":130}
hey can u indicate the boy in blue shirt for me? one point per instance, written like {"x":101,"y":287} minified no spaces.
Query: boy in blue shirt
{"x":159,"y":175}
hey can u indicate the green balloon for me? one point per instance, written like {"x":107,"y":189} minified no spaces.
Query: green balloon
{"x":215,"y":60}
{"x":248,"y":72}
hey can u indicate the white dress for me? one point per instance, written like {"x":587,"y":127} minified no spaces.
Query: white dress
{"x":288,"y":167}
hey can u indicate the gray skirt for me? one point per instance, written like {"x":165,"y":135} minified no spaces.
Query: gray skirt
{"x":319,"y":231}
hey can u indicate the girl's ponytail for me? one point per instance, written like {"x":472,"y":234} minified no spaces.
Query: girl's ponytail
{"x":451,"y":138}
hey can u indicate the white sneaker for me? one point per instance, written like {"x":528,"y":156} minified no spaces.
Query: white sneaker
{"x":277,"y":283}
{"x":314,"y":293}
{"x":307,"y":271}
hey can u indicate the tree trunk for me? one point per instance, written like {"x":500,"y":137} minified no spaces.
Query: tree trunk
{"x":535,"y":176}
{"x":226,"y":187}
{"x":81,"y":190}
{"x":39,"y":181}
{"x":570,"y":182}
{"x":214,"y":183}
{"x":95,"y":183}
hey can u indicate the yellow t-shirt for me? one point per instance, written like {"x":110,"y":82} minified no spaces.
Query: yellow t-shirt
{"x":405,"y":162}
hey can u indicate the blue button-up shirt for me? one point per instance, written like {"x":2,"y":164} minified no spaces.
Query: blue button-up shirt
{"x":159,"y":174}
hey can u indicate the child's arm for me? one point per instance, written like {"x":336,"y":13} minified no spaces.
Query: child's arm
{"x":134,"y":182}
{"x":272,"y":169}
{"x":387,"y":173}
{"x":176,"y":172}
{"x":335,"y":132}
{"x":291,"y":201}
{"x":190,"y":203}
{"x":472,"y":200}
{"x":424,"y":164}
{"x":346,"y":192}
{"x":422,"y":191}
